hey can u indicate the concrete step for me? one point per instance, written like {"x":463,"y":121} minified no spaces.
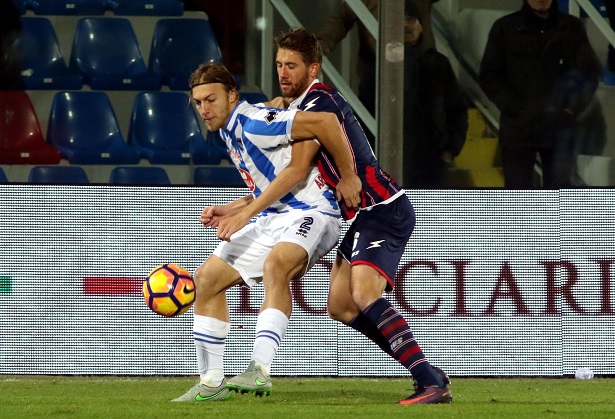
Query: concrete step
{"x":476,"y":178}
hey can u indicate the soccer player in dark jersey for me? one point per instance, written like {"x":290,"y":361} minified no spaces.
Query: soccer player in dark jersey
{"x":370,"y":252}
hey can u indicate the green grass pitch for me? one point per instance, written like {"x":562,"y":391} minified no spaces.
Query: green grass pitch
{"x":149,"y":397}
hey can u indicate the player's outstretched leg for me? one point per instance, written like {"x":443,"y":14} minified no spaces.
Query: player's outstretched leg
{"x":202,"y":392}
{"x":253,"y":380}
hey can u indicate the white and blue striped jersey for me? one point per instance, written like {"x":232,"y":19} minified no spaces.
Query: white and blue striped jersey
{"x":259,"y":144}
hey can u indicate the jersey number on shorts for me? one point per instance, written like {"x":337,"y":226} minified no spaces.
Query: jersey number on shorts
{"x":305,"y":226}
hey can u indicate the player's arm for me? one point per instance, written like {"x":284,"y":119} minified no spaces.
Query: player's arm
{"x":278,"y":102}
{"x":326,"y":128}
{"x":303,"y":153}
{"x":211,"y":216}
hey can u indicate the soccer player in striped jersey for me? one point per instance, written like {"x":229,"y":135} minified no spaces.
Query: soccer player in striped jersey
{"x":298,"y":225}
{"x":370,"y":252}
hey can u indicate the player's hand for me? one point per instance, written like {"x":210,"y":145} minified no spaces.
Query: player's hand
{"x":231,"y":224}
{"x":278,"y":102}
{"x":211,"y":216}
{"x":348,"y":190}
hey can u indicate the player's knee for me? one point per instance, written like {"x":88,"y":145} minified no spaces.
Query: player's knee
{"x":279,"y":272}
{"x":334,"y":313}
{"x":203,"y":282}
{"x":199,"y":278}
{"x":341,"y":313}
{"x":271,"y":266}
{"x":364,"y":296}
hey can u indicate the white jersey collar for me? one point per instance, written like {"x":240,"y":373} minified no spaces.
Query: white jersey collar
{"x":295,"y":103}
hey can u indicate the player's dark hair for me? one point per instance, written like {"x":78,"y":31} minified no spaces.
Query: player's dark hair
{"x":212,"y":73}
{"x":302,"y":41}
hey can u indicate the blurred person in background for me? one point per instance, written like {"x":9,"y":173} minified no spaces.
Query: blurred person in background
{"x":336,"y":28}
{"x":10,"y":30}
{"x":541,"y":72}
{"x":435,"y":110}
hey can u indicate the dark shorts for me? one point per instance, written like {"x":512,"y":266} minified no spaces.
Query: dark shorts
{"x":378,"y":237}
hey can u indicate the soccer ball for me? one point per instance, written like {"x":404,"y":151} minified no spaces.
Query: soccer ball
{"x":169,"y":290}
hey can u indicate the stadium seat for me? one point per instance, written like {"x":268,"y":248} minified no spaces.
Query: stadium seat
{"x":217,"y":176}
{"x":107,"y":53}
{"x":83,"y":126}
{"x":42,"y":63}
{"x":564,"y":6}
{"x":148,"y":7}
{"x":213,"y":151}
{"x":3,"y":178}
{"x":253,"y":97}
{"x":69,"y":7}
{"x":58,"y":174}
{"x":175,"y":52}
{"x":165,"y":129}
{"x":139,"y":175}
{"x":21,"y":139}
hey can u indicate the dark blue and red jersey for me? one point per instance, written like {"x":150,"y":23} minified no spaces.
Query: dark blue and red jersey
{"x":378,"y":186}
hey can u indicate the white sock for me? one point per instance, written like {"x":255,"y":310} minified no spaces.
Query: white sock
{"x":270,"y":329}
{"x":209,"y":339}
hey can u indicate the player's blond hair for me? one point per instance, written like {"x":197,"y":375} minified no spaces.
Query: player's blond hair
{"x":212,"y":73}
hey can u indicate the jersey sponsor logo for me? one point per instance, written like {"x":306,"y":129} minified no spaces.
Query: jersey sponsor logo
{"x":354,"y":244}
{"x":271,"y":116}
{"x":305,"y":226}
{"x":310,"y":104}
{"x":374,"y":244}
{"x":320,"y":182}
{"x":235,"y":156}
{"x":245,"y":175}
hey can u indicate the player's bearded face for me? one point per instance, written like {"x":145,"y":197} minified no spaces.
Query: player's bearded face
{"x":293,"y":74}
{"x":213,"y":104}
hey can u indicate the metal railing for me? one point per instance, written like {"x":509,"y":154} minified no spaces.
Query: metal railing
{"x":327,"y":67}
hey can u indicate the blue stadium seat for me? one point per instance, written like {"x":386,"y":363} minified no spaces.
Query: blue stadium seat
{"x":139,"y":175}
{"x":598,"y":4}
{"x":58,"y":174}
{"x":217,"y":176}
{"x":107,"y":53}
{"x":42,"y":63}
{"x":83,"y":126}
{"x":253,"y":97}
{"x":69,"y":7}
{"x":3,"y":178}
{"x":21,"y":139}
{"x":148,"y":7}
{"x":165,"y":129}
{"x":176,"y":53}
{"x":213,"y":151}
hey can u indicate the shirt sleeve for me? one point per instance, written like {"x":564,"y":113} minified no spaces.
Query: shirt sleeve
{"x":269,"y":127}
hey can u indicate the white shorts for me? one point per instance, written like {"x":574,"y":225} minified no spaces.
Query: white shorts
{"x":316,"y":232}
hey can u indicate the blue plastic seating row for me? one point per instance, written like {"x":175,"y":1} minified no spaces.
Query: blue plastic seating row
{"x":83,"y":128}
{"x":99,"y":7}
{"x":131,"y":175}
{"x":164,"y":129}
{"x":106,"y":54}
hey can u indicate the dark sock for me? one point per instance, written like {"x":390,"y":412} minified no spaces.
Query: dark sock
{"x":405,"y":349}
{"x":369,"y":330}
